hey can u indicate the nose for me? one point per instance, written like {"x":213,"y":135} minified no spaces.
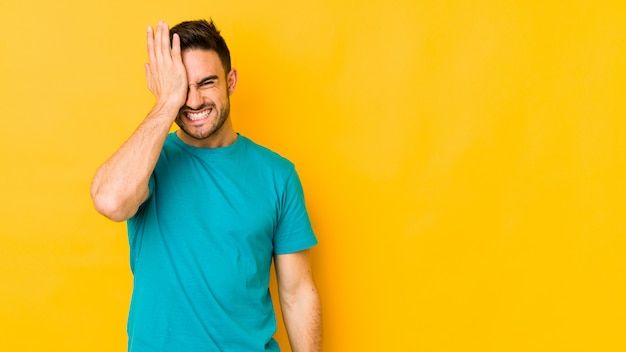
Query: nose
{"x":194,"y":99}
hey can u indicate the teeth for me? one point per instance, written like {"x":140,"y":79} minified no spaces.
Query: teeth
{"x":198,"y":115}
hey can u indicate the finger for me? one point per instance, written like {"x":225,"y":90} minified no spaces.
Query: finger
{"x":158,"y":48}
{"x":150,"y":40}
{"x":176,"y":47}
{"x":164,"y":42}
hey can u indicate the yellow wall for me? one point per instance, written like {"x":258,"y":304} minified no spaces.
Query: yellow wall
{"x":463,"y":162}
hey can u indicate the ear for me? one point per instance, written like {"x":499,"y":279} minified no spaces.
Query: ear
{"x":232,"y":81}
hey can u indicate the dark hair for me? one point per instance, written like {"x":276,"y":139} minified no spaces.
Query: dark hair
{"x":203,"y":35}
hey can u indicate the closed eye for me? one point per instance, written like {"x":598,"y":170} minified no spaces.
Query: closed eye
{"x":207,"y":82}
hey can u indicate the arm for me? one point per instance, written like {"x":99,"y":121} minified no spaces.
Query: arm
{"x":299,"y":301}
{"x":120,"y":185}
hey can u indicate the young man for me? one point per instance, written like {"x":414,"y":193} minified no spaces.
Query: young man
{"x":207,"y":211}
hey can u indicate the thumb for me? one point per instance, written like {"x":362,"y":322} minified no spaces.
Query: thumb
{"x":148,"y":75}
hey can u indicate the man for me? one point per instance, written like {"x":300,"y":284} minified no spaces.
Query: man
{"x":207,"y":211}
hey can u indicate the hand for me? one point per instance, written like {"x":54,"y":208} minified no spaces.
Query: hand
{"x":165,"y":72}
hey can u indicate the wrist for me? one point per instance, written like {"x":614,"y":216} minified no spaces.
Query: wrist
{"x":169,"y":109}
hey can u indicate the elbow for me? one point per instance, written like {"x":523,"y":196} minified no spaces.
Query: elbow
{"x":304,"y":293}
{"x":288,"y":299}
{"x":109,"y":206}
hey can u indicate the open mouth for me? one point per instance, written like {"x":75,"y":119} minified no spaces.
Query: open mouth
{"x":198,"y":116}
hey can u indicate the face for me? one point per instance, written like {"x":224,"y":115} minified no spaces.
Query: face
{"x":204,"y":119}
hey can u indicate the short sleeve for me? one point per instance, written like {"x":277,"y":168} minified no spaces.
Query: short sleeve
{"x":293,"y":231}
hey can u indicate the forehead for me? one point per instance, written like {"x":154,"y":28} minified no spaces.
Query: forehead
{"x":200,"y":63}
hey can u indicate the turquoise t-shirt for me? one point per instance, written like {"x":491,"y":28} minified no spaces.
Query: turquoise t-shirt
{"x":201,"y":247}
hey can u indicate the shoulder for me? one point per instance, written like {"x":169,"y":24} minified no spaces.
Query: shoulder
{"x":266,"y":155}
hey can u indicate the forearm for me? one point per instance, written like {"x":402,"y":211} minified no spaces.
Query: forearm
{"x":303,"y":320}
{"x":121,"y":184}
